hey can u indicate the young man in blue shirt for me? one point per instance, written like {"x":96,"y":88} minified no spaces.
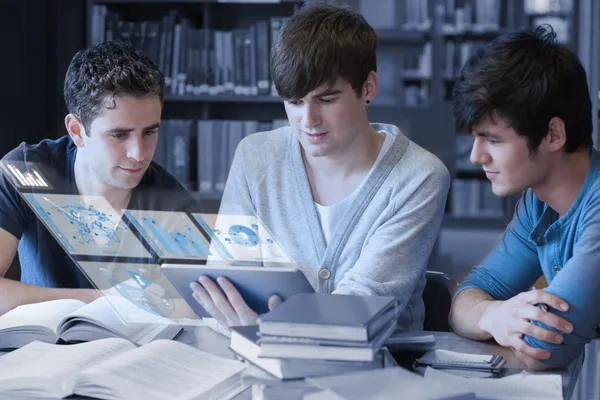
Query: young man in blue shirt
{"x":525,"y":99}
{"x":114,"y":94}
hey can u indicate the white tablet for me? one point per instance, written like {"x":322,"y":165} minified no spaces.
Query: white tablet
{"x":255,"y":284}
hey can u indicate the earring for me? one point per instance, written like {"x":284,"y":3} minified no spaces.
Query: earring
{"x":368,"y":101}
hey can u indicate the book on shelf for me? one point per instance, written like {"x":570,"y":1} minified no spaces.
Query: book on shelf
{"x":70,"y":320}
{"x":245,"y":342}
{"x":325,"y":316}
{"x":474,"y":198}
{"x":115,"y":368}
{"x":199,"y":153}
{"x":194,"y":59}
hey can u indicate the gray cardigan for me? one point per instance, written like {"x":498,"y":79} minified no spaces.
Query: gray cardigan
{"x":383,"y":245}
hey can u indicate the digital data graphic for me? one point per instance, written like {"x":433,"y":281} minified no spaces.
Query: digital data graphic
{"x":242,"y":238}
{"x":86,"y":225}
{"x":25,"y":175}
{"x":142,"y":285}
{"x":172,"y":235}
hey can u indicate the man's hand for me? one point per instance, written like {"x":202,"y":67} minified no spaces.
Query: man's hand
{"x":229,"y":309}
{"x":508,"y":321}
{"x":531,"y":364}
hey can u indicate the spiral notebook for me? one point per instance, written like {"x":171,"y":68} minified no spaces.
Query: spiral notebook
{"x":446,"y":359}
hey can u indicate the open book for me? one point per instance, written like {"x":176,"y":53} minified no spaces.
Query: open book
{"x":71,"y":320}
{"x":116,"y":369}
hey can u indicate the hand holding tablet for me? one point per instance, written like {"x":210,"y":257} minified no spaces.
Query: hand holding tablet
{"x":251,"y":287}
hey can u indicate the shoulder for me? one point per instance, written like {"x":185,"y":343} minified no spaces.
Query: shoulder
{"x":425,"y":163}
{"x":47,"y":151}
{"x":267,"y":142}
{"x":409,"y":160}
{"x":419,"y":166}
{"x":262,"y":149}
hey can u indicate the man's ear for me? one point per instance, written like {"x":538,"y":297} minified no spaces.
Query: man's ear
{"x":75,"y":128}
{"x":370,"y":86}
{"x":557,"y":134}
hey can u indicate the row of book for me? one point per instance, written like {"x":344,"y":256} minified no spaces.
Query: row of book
{"x":313,"y":334}
{"x":457,"y":54}
{"x":470,"y":15}
{"x":389,"y":14}
{"x":198,"y":60}
{"x":199,"y":152}
{"x":416,"y":15}
{"x":473,"y":198}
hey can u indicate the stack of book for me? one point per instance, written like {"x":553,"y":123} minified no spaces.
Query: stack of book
{"x":314,"y":334}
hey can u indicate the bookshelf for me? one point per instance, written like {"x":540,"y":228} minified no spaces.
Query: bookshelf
{"x":422,"y":45}
{"x":215,"y":56}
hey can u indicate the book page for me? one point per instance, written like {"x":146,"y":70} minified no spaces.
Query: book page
{"x":453,"y":356}
{"x":388,"y":383}
{"x":102,"y":313}
{"x":519,"y":386}
{"x":38,"y":363}
{"x":159,"y":370}
{"x":47,"y":314}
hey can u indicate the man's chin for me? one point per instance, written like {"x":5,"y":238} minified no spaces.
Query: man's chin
{"x":502,"y":191}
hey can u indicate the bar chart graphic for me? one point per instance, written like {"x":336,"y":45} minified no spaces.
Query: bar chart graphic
{"x":25,"y":175}
{"x":86,"y":225}
{"x":171,"y":234}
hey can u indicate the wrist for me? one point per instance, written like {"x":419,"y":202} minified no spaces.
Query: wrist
{"x":486,"y":320}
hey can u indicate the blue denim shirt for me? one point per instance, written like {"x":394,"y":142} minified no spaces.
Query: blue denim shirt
{"x":566,"y":250}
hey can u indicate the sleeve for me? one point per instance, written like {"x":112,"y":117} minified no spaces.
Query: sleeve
{"x":395,"y":257}
{"x":513,"y":265}
{"x":14,"y":212}
{"x":577,"y":283}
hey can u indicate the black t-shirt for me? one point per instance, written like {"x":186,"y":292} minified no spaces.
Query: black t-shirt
{"x":43,"y":261}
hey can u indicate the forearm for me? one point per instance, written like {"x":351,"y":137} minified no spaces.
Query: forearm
{"x":14,"y":293}
{"x":467,"y":312}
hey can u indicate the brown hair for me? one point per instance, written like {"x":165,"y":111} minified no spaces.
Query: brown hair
{"x":320,"y":44}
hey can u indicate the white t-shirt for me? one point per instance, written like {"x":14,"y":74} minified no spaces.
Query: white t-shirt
{"x":330,"y":216}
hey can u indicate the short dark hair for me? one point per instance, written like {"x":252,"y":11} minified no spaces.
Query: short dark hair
{"x":319,"y":44}
{"x":100,"y":72}
{"x":526,"y":78}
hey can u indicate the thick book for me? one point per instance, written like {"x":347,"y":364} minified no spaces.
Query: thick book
{"x":326,"y":316}
{"x":244,"y":342}
{"x":69,"y":320}
{"x":329,"y":352}
{"x":115,"y":368}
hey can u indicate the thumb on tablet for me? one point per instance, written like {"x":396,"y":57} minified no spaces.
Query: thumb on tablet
{"x":274,"y":301}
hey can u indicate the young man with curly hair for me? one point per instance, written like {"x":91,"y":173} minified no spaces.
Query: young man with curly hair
{"x":114,"y":95}
{"x":356,"y":205}
{"x":525,"y":98}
